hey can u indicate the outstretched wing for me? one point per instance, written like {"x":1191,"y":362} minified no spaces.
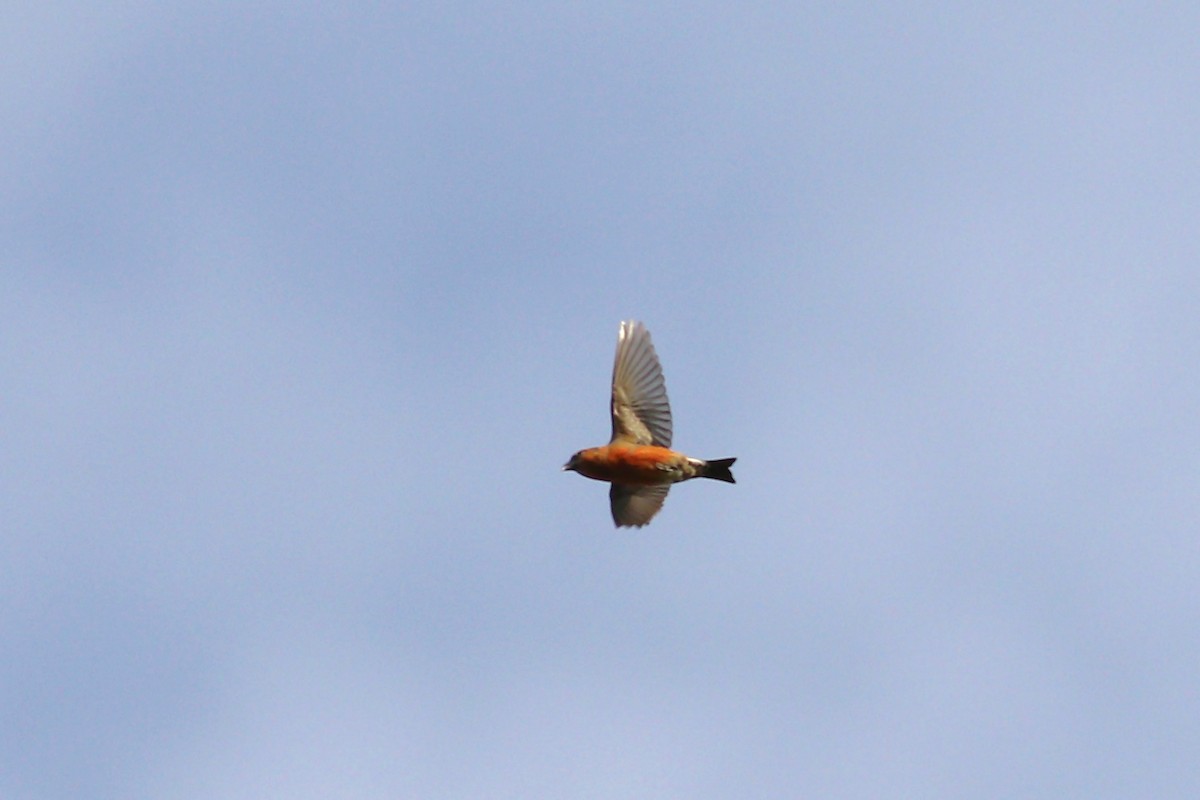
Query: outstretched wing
{"x":634,"y":506}
{"x":640,"y":411}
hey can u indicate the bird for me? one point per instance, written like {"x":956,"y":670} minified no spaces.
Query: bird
{"x":639,"y":461}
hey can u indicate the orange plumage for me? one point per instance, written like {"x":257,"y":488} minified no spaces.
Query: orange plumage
{"x":639,"y":461}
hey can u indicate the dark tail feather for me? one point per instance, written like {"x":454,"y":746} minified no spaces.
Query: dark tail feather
{"x":718,"y":469}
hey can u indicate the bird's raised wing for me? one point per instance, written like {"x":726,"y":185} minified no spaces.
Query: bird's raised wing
{"x":634,"y":506}
{"x":640,"y":411}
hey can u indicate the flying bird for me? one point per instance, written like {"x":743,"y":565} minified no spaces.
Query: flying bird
{"x":639,"y":461}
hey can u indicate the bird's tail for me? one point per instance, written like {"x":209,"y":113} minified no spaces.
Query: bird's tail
{"x":718,"y":470}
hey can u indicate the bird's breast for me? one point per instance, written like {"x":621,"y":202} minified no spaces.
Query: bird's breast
{"x":634,"y":465}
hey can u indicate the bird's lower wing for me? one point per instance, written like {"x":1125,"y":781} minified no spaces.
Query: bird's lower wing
{"x":634,"y":506}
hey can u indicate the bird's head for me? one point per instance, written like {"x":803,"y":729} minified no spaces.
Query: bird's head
{"x":572,"y":464}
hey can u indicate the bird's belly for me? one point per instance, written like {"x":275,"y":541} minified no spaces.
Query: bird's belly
{"x":634,"y":465}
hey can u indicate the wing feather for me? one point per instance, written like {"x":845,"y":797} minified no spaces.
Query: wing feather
{"x":641,"y":413}
{"x":634,"y":506}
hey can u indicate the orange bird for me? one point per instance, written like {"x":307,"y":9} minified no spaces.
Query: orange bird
{"x":639,"y":461}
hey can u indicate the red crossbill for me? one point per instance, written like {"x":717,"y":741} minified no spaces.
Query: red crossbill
{"x":639,"y":461}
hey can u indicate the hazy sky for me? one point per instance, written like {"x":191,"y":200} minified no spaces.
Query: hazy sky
{"x":301,"y":311}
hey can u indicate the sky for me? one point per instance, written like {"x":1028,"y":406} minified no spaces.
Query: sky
{"x":303,"y":307}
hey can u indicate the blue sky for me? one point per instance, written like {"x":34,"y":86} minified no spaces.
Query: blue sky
{"x":302,"y":309}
